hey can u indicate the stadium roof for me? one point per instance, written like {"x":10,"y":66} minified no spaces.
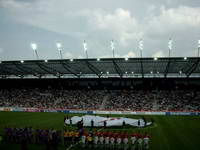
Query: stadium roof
{"x":103,"y":68}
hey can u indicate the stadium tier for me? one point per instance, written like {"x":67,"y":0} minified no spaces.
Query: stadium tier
{"x":102,"y":68}
{"x":118,"y":100}
{"x":134,"y":84}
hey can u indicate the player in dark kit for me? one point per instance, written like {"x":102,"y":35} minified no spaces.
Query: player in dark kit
{"x":92,"y":124}
{"x":104,"y":124}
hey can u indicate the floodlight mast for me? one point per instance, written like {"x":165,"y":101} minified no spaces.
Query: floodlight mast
{"x":170,"y":46}
{"x":112,"y":48}
{"x":85,"y":48}
{"x":198,"y":48}
{"x":34,"y":47}
{"x":61,"y":57}
{"x":140,"y":47}
{"x":59,"y":47}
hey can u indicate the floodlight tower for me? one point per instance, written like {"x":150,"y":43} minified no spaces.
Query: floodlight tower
{"x":85,"y":48}
{"x":170,"y":46}
{"x":198,"y":48}
{"x":34,"y":47}
{"x":112,"y":45}
{"x":140,"y":46}
{"x":59,"y":47}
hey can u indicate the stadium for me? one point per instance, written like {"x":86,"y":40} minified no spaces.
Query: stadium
{"x":37,"y":95}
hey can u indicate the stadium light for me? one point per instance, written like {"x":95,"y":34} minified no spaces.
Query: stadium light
{"x":185,"y":58}
{"x":71,"y":60}
{"x":170,"y":43}
{"x":126,"y":59}
{"x":22,"y":61}
{"x":85,"y":48}
{"x":34,"y":47}
{"x":198,"y":48}
{"x":155,"y":58}
{"x":112,"y":45}
{"x":98,"y":59}
{"x":140,"y":46}
{"x":59,"y":47}
{"x":45,"y":60}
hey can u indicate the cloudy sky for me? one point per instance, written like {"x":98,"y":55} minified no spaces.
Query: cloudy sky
{"x":46,"y":22}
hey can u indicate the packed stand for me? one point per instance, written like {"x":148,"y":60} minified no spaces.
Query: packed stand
{"x":129,"y":100}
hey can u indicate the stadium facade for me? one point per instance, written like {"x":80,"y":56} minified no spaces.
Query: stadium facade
{"x":103,"y":68}
{"x":103,"y":73}
{"x":107,"y":74}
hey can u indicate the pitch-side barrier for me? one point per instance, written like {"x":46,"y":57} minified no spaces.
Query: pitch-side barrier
{"x":69,"y":111}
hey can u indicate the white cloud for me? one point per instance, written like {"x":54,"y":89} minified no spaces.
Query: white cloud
{"x":130,"y":54}
{"x":46,"y":14}
{"x":158,"y":54}
{"x":68,"y":55}
{"x":80,"y":57}
{"x":120,"y":24}
{"x":96,"y":25}
{"x":174,"y":19}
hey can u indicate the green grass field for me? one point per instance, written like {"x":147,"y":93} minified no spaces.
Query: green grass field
{"x":168,"y":132}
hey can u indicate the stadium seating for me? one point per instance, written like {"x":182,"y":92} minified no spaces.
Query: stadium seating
{"x":134,"y":100}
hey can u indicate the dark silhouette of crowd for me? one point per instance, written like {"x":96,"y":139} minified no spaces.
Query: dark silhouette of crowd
{"x":129,"y":100}
{"x":28,"y":135}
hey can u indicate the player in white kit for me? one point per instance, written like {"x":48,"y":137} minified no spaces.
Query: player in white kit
{"x":101,"y":141}
{"x":146,"y":140}
{"x":133,"y":141}
{"x":119,"y":142}
{"x":96,"y":140}
{"x":140,"y":142}
{"x":125,"y":141}
{"x":112,"y":141}
{"x":107,"y":139}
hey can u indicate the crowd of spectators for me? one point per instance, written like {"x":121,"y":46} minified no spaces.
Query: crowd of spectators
{"x":51,"y":98}
{"x":133,"y":100}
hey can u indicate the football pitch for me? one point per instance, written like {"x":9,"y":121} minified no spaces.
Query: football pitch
{"x":167,"y":133}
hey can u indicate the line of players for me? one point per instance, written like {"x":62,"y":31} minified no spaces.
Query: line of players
{"x":108,"y":140}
